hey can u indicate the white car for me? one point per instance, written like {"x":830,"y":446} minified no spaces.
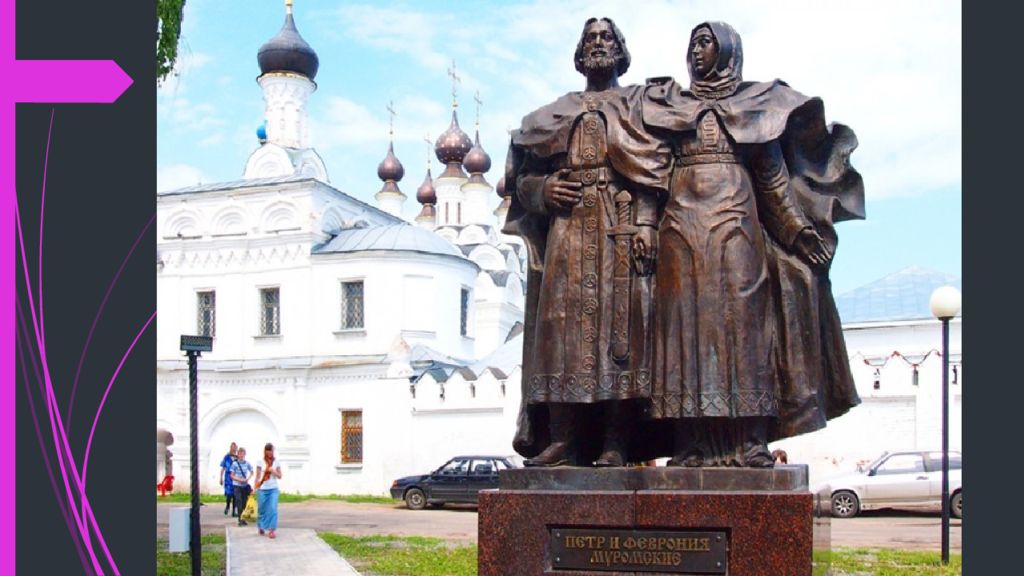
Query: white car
{"x":906,"y":479}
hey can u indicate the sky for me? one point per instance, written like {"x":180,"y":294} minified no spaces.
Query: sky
{"x":889,"y":69}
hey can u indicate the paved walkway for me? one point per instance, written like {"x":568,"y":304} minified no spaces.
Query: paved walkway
{"x":294,"y":551}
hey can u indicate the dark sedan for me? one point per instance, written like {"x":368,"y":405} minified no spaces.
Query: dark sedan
{"x":459,"y":480}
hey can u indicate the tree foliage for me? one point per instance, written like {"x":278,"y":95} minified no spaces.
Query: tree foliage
{"x":169,"y":15}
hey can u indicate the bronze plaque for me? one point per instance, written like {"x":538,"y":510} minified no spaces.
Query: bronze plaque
{"x":665,"y":551}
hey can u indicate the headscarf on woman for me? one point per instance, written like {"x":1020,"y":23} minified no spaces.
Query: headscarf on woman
{"x":725,"y":76}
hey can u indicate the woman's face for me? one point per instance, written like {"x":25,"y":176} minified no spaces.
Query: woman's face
{"x":703,"y":52}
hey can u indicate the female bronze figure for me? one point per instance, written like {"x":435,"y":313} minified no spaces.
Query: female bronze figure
{"x":747,"y":342}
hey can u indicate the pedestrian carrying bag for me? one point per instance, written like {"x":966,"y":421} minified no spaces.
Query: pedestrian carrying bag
{"x":251,"y":510}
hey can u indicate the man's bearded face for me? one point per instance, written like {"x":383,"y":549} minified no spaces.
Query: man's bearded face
{"x":600,"y":48}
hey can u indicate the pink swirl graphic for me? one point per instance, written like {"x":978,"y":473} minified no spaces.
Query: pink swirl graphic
{"x":82,"y":523}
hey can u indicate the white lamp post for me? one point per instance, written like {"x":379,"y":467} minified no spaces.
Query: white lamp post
{"x":945,"y":303}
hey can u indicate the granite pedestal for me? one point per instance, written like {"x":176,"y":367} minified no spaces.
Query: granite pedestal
{"x":653,"y":520}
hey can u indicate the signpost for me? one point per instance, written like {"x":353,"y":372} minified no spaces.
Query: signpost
{"x":193,"y":346}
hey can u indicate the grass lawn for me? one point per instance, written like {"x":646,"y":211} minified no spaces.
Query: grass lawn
{"x":404,"y":556}
{"x":415,"y":556}
{"x":886,"y":562}
{"x":180,"y":563}
{"x":186,"y":498}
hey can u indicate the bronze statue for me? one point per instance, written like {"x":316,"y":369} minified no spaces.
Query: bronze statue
{"x":728,"y":192}
{"x":583,"y":176}
{"x":748,"y":346}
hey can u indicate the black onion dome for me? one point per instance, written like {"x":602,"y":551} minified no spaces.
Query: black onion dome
{"x":288,"y":52}
{"x":499,"y":188}
{"x":426,"y":194}
{"x":453,"y":144}
{"x":390,"y":168}
{"x":477,"y":161}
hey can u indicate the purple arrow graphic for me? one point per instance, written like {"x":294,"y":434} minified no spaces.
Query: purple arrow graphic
{"x":35,"y":81}
{"x":80,"y":81}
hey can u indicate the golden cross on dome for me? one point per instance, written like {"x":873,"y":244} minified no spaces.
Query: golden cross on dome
{"x":455,"y":80}
{"x":288,"y":6}
{"x":479,"y":103}
{"x":392,"y":114}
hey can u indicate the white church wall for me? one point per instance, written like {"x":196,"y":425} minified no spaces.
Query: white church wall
{"x":412,"y":294}
{"x":474,"y":417}
{"x":898,"y":415}
{"x":300,"y":412}
{"x":495,"y":319}
{"x":382,"y":403}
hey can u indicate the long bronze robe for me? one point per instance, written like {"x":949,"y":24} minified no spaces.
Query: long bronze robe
{"x":573,"y":297}
{"x":766,"y":341}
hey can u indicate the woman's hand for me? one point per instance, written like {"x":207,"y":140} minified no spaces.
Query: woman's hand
{"x":810,"y":246}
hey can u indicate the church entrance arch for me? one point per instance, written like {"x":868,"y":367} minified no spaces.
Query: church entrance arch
{"x":248,"y":427}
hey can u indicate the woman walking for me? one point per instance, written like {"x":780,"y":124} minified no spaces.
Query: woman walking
{"x":267,"y":473}
{"x":225,"y":480}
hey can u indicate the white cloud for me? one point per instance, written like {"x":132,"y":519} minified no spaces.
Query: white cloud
{"x":187,"y":64}
{"x":212,"y":140}
{"x":349,"y":123}
{"x":180,"y":113}
{"x":177,"y":176}
{"x":183,"y":115}
{"x":396,"y":30}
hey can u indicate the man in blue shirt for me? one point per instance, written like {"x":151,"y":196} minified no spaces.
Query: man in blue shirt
{"x":241,"y":473}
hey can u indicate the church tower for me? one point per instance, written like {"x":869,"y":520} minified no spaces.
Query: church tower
{"x":288,"y":66}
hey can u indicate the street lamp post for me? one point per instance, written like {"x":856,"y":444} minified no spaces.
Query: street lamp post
{"x":945,"y":303}
{"x":193,"y":346}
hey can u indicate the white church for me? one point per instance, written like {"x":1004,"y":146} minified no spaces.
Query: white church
{"x":367,"y":347}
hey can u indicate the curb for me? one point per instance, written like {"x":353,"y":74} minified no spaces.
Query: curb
{"x":227,"y":550}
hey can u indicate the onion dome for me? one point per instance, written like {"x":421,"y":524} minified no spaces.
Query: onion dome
{"x":500,"y":188}
{"x":477,"y":161}
{"x":453,"y":144}
{"x":426,"y":194}
{"x":502,"y":210}
{"x":261,"y":132}
{"x":427,"y":215}
{"x":390,"y":168}
{"x":288,"y":52}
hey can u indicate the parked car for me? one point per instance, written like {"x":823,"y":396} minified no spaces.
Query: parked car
{"x":905,"y":479}
{"x":458,"y":480}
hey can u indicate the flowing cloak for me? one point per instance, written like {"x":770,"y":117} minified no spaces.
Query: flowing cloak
{"x":543,"y":137}
{"x":815,"y":383}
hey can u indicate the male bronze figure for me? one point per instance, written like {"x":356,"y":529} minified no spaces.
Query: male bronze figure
{"x":748,"y":346}
{"x":584,"y":179}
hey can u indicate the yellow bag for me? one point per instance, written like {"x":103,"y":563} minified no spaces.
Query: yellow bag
{"x":251,"y":510}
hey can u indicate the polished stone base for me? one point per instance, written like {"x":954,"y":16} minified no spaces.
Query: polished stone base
{"x":772,"y":525}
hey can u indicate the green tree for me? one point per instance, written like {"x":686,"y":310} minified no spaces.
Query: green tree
{"x":169,"y":14}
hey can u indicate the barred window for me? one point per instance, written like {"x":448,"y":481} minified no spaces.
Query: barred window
{"x":352,"y":304}
{"x":206,"y":313}
{"x":351,"y":436}
{"x":270,"y":311}
{"x":464,"y":314}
